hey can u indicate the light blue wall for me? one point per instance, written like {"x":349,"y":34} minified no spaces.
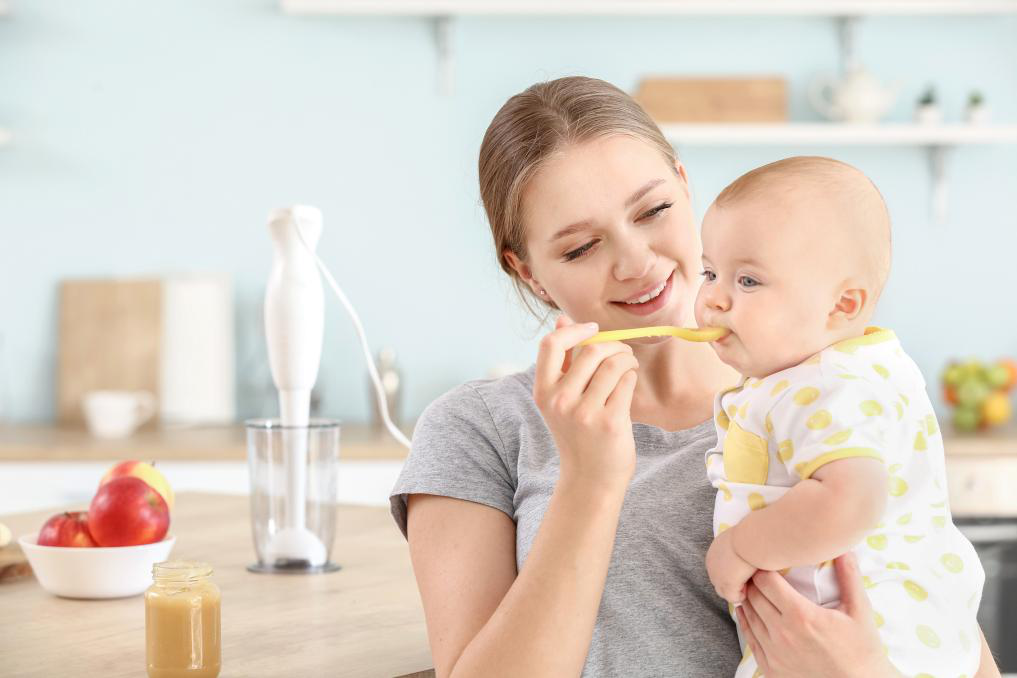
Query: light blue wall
{"x":154,"y":137}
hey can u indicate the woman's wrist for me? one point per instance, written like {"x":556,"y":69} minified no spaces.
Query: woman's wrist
{"x":592,"y":492}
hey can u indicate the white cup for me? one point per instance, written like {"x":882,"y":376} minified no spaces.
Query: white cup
{"x":116,"y":414}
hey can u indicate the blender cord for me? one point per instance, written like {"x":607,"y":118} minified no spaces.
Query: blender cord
{"x":372,"y":370}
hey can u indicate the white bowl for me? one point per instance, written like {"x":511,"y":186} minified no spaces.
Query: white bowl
{"x":95,"y":572}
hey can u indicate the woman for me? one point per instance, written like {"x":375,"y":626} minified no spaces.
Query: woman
{"x":558,"y":518}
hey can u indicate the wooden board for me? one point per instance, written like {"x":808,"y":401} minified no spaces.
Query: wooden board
{"x":702,"y":100}
{"x":13,"y":564}
{"x":364,"y":620}
{"x":109,"y":335}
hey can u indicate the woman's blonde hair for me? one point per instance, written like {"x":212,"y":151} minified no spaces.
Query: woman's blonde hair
{"x":530,"y":128}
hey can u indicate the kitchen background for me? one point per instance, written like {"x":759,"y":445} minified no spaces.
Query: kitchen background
{"x":150,"y":140}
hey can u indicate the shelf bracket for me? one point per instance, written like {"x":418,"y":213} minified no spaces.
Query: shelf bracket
{"x":847,"y":29}
{"x":937,"y":173}
{"x":443,"y":43}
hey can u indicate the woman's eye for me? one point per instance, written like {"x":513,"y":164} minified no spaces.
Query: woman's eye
{"x":657,"y":210}
{"x":709,"y":275}
{"x":748,"y":281}
{"x":579,"y":251}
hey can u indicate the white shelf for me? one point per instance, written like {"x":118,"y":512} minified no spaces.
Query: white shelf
{"x":835,"y":134}
{"x":434,"y":8}
{"x":937,"y":139}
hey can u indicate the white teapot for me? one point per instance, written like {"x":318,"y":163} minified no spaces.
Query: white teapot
{"x":857,"y":97}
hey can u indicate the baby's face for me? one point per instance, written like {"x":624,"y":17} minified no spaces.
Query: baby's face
{"x":772,"y":279}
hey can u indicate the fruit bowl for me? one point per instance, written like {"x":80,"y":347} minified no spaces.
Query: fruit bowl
{"x":96,"y":572}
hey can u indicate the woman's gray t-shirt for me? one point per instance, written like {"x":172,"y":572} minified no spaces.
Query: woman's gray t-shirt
{"x":486,"y":442}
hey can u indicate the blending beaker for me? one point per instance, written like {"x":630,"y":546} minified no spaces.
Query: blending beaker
{"x":294,"y":485}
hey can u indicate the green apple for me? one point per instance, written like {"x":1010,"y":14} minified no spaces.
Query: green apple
{"x":972,"y":392}
{"x":966,"y":418}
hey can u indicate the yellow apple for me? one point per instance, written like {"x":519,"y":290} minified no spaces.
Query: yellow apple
{"x":146,"y":472}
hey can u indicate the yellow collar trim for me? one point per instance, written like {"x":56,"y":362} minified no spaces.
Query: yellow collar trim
{"x":873,"y":335}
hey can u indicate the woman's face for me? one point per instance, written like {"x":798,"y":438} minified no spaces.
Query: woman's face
{"x":609,"y":222}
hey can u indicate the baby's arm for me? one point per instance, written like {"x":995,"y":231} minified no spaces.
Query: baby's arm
{"x":818,"y":519}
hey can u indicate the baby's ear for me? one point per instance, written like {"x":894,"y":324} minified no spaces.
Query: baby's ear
{"x":851,"y":303}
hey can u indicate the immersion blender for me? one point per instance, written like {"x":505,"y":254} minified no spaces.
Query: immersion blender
{"x":294,"y":328}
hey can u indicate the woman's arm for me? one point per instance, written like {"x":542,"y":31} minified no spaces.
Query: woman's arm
{"x":484,"y":619}
{"x":987,"y":668}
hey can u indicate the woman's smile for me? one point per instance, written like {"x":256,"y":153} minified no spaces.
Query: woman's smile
{"x":652,"y":305}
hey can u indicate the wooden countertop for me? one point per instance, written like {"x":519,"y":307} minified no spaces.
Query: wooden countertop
{"x":364,"y":620}
{"x":357,"y":442}
{"x":205,"y":443}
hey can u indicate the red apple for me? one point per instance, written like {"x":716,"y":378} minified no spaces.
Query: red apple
{"x":146,"y":472}
{"x":69,"y":528}
{"x":126,"y":511}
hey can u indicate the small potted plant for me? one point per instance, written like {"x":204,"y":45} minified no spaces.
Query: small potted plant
{"x":977,"y":111}
{"x":927,"y":111}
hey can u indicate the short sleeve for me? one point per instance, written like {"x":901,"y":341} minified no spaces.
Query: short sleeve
{"x":456,"y":452}
{"x":827,"y":419}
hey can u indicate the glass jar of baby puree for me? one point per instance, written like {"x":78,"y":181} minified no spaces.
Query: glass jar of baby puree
{"x":182,"y":637}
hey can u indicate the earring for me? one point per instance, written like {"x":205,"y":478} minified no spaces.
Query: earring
{"x":543,"y":292}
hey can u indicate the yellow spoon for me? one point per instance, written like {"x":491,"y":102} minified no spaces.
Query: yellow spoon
{"x":687,"y":333}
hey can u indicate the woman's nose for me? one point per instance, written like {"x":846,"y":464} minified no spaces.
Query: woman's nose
{"x":634,"y":262}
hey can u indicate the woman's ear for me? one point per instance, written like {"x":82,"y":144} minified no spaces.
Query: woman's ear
{"x":679,"y":169}
{"x":851,"y":303}
{"x":521,"y":269}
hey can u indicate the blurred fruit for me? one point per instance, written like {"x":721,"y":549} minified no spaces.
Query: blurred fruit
{"x":966,"y":418}
{"x":997,"y":376}
{"x":146,"y":472}
{"x":996,"y":409}
{"x":950,"y":395}
{"x":972,"y":392}
{"x":66,"y":529}
{"x":126,"y":511}
{"x":1011,"y":366}
{"x":953,"y":375}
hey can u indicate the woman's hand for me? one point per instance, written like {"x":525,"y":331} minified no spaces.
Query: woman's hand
{"x":792,"y":636}
{"x":586,"y":401}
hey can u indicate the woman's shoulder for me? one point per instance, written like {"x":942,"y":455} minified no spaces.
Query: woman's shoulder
{"x":466,"y":443}
{"x":473,"y":402}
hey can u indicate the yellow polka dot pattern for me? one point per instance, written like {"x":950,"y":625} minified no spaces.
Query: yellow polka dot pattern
{"x":871,"y":408}
{"x":779,"y":386}
{"x":756,"y":501}
{"x":876,"y":541}
{"x":927,"y":636}
{"x":806,"y":396}
{"x":930,"y":424}
{"x":786,"y":450}
{"x":838,"y":438}
{"x":882,"y":371}
{"x":915,"y":591}
{"x":920,"y":444}
{"x":819,"y":420}
{"x":952,"y":562}
{"x":723,"y":421}
{"x":898,"y":486}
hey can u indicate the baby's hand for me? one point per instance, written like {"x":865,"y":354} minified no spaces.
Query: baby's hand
{"x":728,"y":571}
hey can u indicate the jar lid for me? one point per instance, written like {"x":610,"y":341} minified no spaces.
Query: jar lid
{"x":181,"y":571}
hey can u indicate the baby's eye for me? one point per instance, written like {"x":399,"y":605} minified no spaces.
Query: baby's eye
{"x":748,"y":281}
{"x":709,"y":275}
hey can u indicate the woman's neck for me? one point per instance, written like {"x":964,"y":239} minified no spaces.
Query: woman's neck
{"x":677,"y":381}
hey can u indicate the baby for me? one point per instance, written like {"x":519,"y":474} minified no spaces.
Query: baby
{"x":829,"y":444}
